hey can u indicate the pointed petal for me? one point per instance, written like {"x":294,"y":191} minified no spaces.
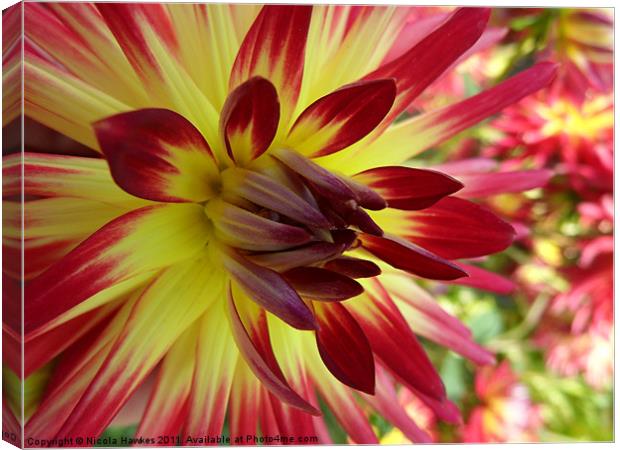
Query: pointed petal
{"x":249,"y":119}
{"x":158,"y":155}
{"x":166,"y":410}
{"x":274,"y":48}
{"x":409,"y":257}
{"x":483,"y":279}
{"x":344,"y":347}
{"x":427,"y":60}
{"x":342,"y":117}
{"x":393,"y":342}
{"x":135,"y":244}
{"x":249,"y":326}
{"x":479,"y":231}
{"x":153,"y":326}
{"x":268,"y":193}
{"x":407,"y":188}
{"x":243,"y":229}
{"x":322,"y":284}
{"x":487,"y":184}
{"x":269,"y":290}
{"x":216,"y":357}
{"x":353,"y":267}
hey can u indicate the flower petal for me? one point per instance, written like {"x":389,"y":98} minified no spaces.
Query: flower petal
{"x":274,"y":48}
{"x":242,"y":229}
{"x":483,"y":279}
{"x":344,"y":347}
{"x":158,"y":155}
{"x":249,"y":326}
{"x":487,"y":184}
{"x":353,"y":267}
{"x":427,"y":60}
{"x":411,"y":258}
{"x":408,"y":188}
{"x":322,"y":284}
{"x":269,"y":290}
{"x":456,"y":228}
{"x":249,"y":119}
{"x":342,"y":117}
{"x":134,"y":244}
{"x":304,"y":256}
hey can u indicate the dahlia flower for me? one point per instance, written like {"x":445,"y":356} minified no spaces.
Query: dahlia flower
{"x":552,"y":130}
{"x":579,"y":334}
{"x":242,"y":224}
{"x":506,"y":413}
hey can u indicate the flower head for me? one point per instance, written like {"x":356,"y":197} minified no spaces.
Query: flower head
{"x":507,"y":414}
{"x":246,"y":229}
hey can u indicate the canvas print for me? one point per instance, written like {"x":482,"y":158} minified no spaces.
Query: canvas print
{"x":246,"y":224}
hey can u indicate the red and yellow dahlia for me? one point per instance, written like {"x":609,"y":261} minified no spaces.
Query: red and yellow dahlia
{"x":243,"y":225}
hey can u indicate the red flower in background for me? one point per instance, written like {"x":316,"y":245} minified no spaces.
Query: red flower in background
{"x":506,"y":413}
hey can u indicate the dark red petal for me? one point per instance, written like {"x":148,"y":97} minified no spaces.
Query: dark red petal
{"x":304,"y":256}
{"x":322,"y":284}
{"x":342,"y":117}
{"x":457,"y":228}
{"x":249,"y":327}
{"x":411,"y":258}
{"x":353,"y":267}
{"x":158,"y":155}
{"x":427,"y":60}
{"x":344,"y":347}
{"x":408,"y":188}
{"x":267,"y":288}
{"x":249,"y":119}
